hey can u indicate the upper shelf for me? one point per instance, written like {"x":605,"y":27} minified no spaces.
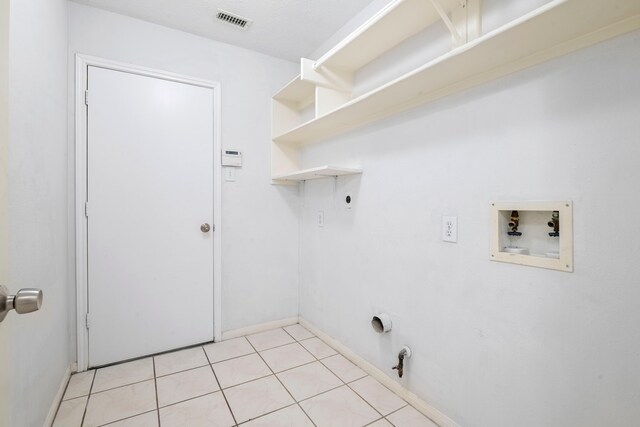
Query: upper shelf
{"x":395,"y":23}
{"x":559,"y":27}
{"x":297,"y":92}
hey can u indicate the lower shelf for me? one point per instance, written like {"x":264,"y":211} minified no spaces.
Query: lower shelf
{"x":316,"y":173}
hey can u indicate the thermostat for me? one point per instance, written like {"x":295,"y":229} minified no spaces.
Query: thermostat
{"x":231,"y":158}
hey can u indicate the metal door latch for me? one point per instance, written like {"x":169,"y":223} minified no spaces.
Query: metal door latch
{"x":25,"y":301}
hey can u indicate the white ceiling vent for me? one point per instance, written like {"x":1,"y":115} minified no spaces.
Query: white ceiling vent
{"x":233,"y":19}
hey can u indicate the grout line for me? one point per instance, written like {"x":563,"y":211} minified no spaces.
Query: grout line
{"x":334,"y":373}
{"x":183,"y":370}
{"x":282,"y":384}
{"x":266,"y":349}
{"x":134,"y":359}
{"x":375,"y":421}
{"x":127,"y":418}
{"x":246,"y":382}
{"x":375,"y":409}
{"x":86,"y":406}
{"x":124,"y":385}
{"x":220,"y":387}
{"x":269,"y":413}
{"x":191,"y":398}
{"x":155,"y":384}
{"x":324,"y":392}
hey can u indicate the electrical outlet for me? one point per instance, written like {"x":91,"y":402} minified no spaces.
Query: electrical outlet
{"x":450,"y":229}
{"x":320,"y":218}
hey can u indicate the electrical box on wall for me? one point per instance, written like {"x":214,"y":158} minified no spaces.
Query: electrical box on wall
{"x":538,"y":234}
{"x":232,"y":158}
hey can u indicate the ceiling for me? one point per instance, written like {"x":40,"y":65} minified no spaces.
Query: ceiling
{"x":287,"y":29}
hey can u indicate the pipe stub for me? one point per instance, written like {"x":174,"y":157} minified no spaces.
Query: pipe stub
{"x":381,"y":323}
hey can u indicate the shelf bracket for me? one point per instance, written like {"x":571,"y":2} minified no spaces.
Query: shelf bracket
{"x":457,"y":38}
{"x":466,"y":19}
{"x":322,"y":76}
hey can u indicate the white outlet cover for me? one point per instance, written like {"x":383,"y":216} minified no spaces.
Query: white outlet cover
{"x":450,"y":229}
{"x":320,"y":218}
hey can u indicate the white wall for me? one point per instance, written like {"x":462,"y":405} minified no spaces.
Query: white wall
{"x":259,"y":225}
{"x":36,"y":345}
{"x":494,"y":344}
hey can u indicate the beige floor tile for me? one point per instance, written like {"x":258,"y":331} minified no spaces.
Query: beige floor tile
{"x":180,"y":361}
{"x":286,"y":357}
{"x":240,"y":370}
{"x":120,"y":403}
{"x":257,"y":398}
{"x":291,"y":416}
{"x":123,"y":374}
{"x":206,"y":411}
{"x":70,"y":413}
{"x":223,"y":350}
{"x":186,"y":385}
{"x":150,"y":419}
{"x":298,"y":332}
{"x":343,"y":368}
{"x":410,"y":417}
{"x":384,"y":400}
{"x":381,"y":423}
{"x":79,"y":385}
{"x":309,"y":380}
{"x":270,"y":339}
{"x":339,"y":408}
{"x":318,"y":348}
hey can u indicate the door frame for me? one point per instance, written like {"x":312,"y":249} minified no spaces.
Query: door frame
{"x":82,"y":62}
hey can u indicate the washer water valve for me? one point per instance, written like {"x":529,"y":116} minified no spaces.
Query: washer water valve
{"x":404,"y":353}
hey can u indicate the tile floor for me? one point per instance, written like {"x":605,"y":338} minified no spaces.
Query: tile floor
{"x":284,"y":377}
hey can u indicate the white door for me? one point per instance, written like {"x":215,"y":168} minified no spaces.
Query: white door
{"x":149,"y":192}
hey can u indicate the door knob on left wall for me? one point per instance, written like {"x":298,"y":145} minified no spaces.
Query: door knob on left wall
{"x":25,"y":301}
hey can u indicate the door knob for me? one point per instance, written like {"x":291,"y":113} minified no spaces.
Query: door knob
{"x":25,"y":301}
{"x":205,"y":228}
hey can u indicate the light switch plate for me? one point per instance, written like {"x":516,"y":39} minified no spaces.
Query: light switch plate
{"x":229,"y":174}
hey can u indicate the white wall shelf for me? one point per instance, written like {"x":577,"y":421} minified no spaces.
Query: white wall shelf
{"x":317,"y":173}
{"x":557,"y":28}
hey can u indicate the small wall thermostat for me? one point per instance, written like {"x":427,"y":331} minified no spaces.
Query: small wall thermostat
{"x":232,"y":158}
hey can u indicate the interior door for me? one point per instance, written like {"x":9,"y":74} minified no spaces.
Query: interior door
{"x":150,"y":199}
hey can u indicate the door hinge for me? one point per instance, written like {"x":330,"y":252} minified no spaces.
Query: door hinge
{"x":86,"y":97}
{"x":86,"y":209}
{"x":87,"y":320}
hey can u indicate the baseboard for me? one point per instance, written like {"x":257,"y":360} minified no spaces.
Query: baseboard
{"x":48,"y":422}
{"x":438,"y":417}
{"x":254,"y":329}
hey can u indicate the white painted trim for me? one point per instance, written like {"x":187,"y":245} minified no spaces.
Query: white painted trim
{"x":82,"y":62}
{"x":51,"y":416}
{"x":254,"y":329}
{"x":428,"y":410}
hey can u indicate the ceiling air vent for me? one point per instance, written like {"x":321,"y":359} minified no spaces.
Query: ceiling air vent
{"x":232,"y":19}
